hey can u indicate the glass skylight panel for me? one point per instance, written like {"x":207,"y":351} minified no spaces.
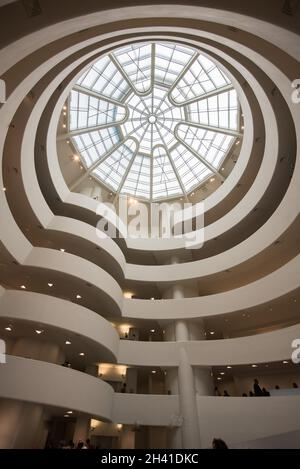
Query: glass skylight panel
{"x":138,"y":180}
{"x":217,"y":111}
{"x":209,"y":145}
{"x":95,"y":145}
{"x":113,"y":168}
{"x":170,"y":60}
{"x":105,"y":78}
{"x":165,"y":181}
{"x":136,"y":62}
{"x":89,"y":111}
{"x":200,"y":78}
{"x":124,"y":122}
{"x":190,"y":169}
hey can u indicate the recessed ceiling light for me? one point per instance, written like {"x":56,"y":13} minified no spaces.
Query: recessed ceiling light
{"x":219,"y":379}
{"x":237,"y":142}
{"x":68,"y":342}
{"x":39,"y":331}
{"x":152,"y":298}
{"x":285,"y":362}
{"x":4,"y":189}
{"x":76,"y":158}
{"x":78,"y":297}
{"x":212,"y":179}
{"x":81,"y":354}
{"x":153,"y":371}
{"x":70,"y":412}
{"x":254,"y":366}
{"x":50,"y":285}
{"x":8,"y":328}
{"x":64,"y":126}
{"x":229,"y":367}
{"x":65,"y":108}
{"x":62,"y":250}
{"x":23,"y":287}
{"x":66,"y":416}
{"x":212,"y":333}
{"x":222,"y":373}
{"x":152,"y":330}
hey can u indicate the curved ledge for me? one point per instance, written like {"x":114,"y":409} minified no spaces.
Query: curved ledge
{"x":62,"y":314}
{"x":261,"y":348}
{"x":145,"y":409}
{"x":279,"y":283}
{"x":32,"y":381}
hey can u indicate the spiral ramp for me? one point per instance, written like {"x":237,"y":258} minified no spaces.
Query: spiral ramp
{"x":218,"y":316}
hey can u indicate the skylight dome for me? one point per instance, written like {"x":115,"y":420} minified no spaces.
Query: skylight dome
{"x":153,"y":120}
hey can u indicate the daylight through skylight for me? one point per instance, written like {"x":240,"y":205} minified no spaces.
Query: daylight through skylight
{"x":153,"y":120}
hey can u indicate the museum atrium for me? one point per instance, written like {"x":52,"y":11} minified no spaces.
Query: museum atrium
{"x":113,"y":110}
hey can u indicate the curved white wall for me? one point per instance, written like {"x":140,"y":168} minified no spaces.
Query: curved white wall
{"x":55,"y":386}
{"x":261,"y":348}
{"x":51,"y":311}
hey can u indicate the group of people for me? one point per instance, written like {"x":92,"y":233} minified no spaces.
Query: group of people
{"x":71,"y":445}
{"x":257,"y":390}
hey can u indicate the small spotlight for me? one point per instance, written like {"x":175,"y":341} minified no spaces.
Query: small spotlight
{"x":38,"y":331}
{"x":68,"y":342}
{"x":23,"y":287}
{"x":62,"y":250}
{"x":8,"y":329}
{"x":81,"y":354}
{"x":50,"y":285}
{"x":254,"y":366}
{"x":78,"y":297}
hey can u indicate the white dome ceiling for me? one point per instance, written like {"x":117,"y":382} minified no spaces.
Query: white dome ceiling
{"x":154,"y":120}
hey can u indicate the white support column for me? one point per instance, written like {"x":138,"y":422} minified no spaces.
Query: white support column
{"x":190,"y":381}
{"x":186,"y":386}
